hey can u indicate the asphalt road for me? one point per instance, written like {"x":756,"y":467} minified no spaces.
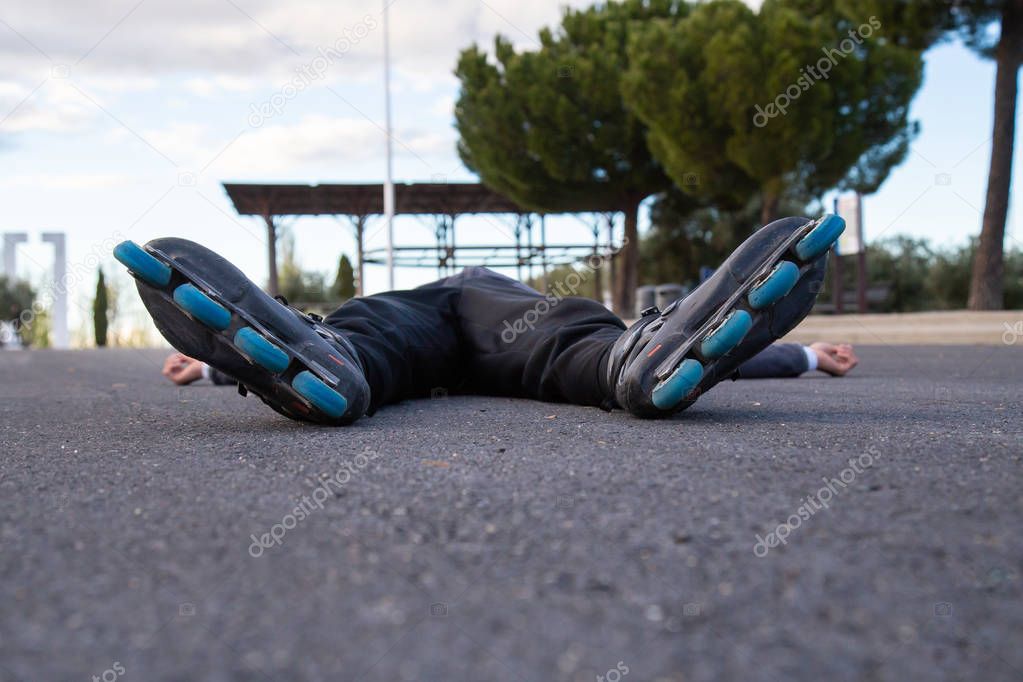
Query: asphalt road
{"x":488,"y":539}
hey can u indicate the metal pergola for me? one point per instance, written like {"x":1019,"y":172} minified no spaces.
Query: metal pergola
{"x":444,"y":203}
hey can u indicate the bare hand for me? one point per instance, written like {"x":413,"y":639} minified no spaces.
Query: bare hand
{"x":182,"y":369}
{"x":836,"y":360}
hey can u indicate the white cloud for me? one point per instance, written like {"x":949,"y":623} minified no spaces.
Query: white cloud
{"x":48,"y":106}
{"x":426,"y":142}
{"x":183,"y":140}
{"x":255,"y":38}
{"x":314,"y":140}
{"x":70,"y":181}
{"x":187,"y":51}
{"x":443,"y":106}
{"x":209,"y":85}
{"x":311,"y":146}
{"x":121,"y":83}
{"x":12,"y":91}
{"x":273,"y":149}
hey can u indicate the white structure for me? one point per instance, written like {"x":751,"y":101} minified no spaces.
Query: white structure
{"x":9,"y":339}
{"x":58,"y":313}
{"x":59,"y":338}
{"x":11,"y":241}
{"x":389,"y":182}
{"x":850,"y":208}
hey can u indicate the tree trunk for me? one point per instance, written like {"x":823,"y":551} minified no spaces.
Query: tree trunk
{"x":987,"y":283}
{"x":769,"y":207}
{"x":627,"y":262}
{"x":272,"y":281}
{"x":360,"y":233}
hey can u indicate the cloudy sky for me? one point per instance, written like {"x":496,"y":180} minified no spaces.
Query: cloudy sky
{"x":121,"y":117}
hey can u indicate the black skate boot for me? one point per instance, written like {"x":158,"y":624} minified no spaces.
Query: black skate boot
{"x":665,"y":361}
{"x":209,"y":310}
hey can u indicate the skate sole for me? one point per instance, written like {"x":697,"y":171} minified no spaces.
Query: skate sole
{"x":310,"y":389}
{"x":679,"y":375}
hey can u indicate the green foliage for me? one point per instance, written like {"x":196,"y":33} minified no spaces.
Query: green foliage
{"x":922,"y":23}
{"x":100,"y":309}
{"x":582,"y":283}
{"x":902,"y":264}
{"x":914,"y":24}
{"x":16,"y":306}
{"x":344,"y":281}
{"x":702,"y":83}
{"x":686,"y":235}
{"x":622,"y":94}
{"x":948,"y":277}
{"x":683,"y":238}
{"x":549,"y":129}
{"x":36,"y":334}
{"x":920,"y":277}
{"x":15,"y":297}
{"x":972,"y":21}
{"x":297,"y":285}
{"x":1014,"y":280}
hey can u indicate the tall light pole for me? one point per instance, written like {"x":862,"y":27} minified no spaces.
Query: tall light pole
{"x":389,"y":182}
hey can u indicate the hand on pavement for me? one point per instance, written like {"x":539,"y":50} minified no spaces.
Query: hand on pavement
{"x":836,"y":360}
{"x":182,"y":369}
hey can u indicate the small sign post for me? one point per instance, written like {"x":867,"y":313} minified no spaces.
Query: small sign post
{"x":850,"y":209}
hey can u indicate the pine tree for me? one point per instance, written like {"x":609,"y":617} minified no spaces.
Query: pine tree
{"x":920,"y":24}
{"x":344,"y":282}
{"x":987,"y":282}
{"x":548,"y":128}
{"x":798,"y":98}
{"x":100,"y":306}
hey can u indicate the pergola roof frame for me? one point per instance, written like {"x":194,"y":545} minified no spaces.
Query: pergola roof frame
{"x":445,"y":200}
{"x":419,"y":198}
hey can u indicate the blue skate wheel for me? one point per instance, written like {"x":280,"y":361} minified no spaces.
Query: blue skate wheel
{"x":681,"y":383}
{"x":260,"y":350}
{"x":145,"y":266}
{"x":820,"y":238}
{"x":202,"y":307}
{"x":728,"y":335}
{"x":778,"y":283}
{"x":320,"y":395}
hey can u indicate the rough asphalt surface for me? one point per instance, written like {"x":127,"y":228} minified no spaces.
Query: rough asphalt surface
{"x":488,"y":539}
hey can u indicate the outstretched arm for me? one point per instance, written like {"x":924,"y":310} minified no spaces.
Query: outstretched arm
{"x":778,"y":360}
{"x":836,"y":360}
{"x":791,"y":359}
{"x":181,"y":369}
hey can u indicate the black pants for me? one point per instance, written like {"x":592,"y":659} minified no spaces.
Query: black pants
{"x":481,"y":332}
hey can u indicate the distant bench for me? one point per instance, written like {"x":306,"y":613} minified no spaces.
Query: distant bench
{"x":876,"y":295}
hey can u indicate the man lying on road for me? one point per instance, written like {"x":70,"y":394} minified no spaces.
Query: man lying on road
{"x":483,"y":333}
{"x":779,"y":360}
